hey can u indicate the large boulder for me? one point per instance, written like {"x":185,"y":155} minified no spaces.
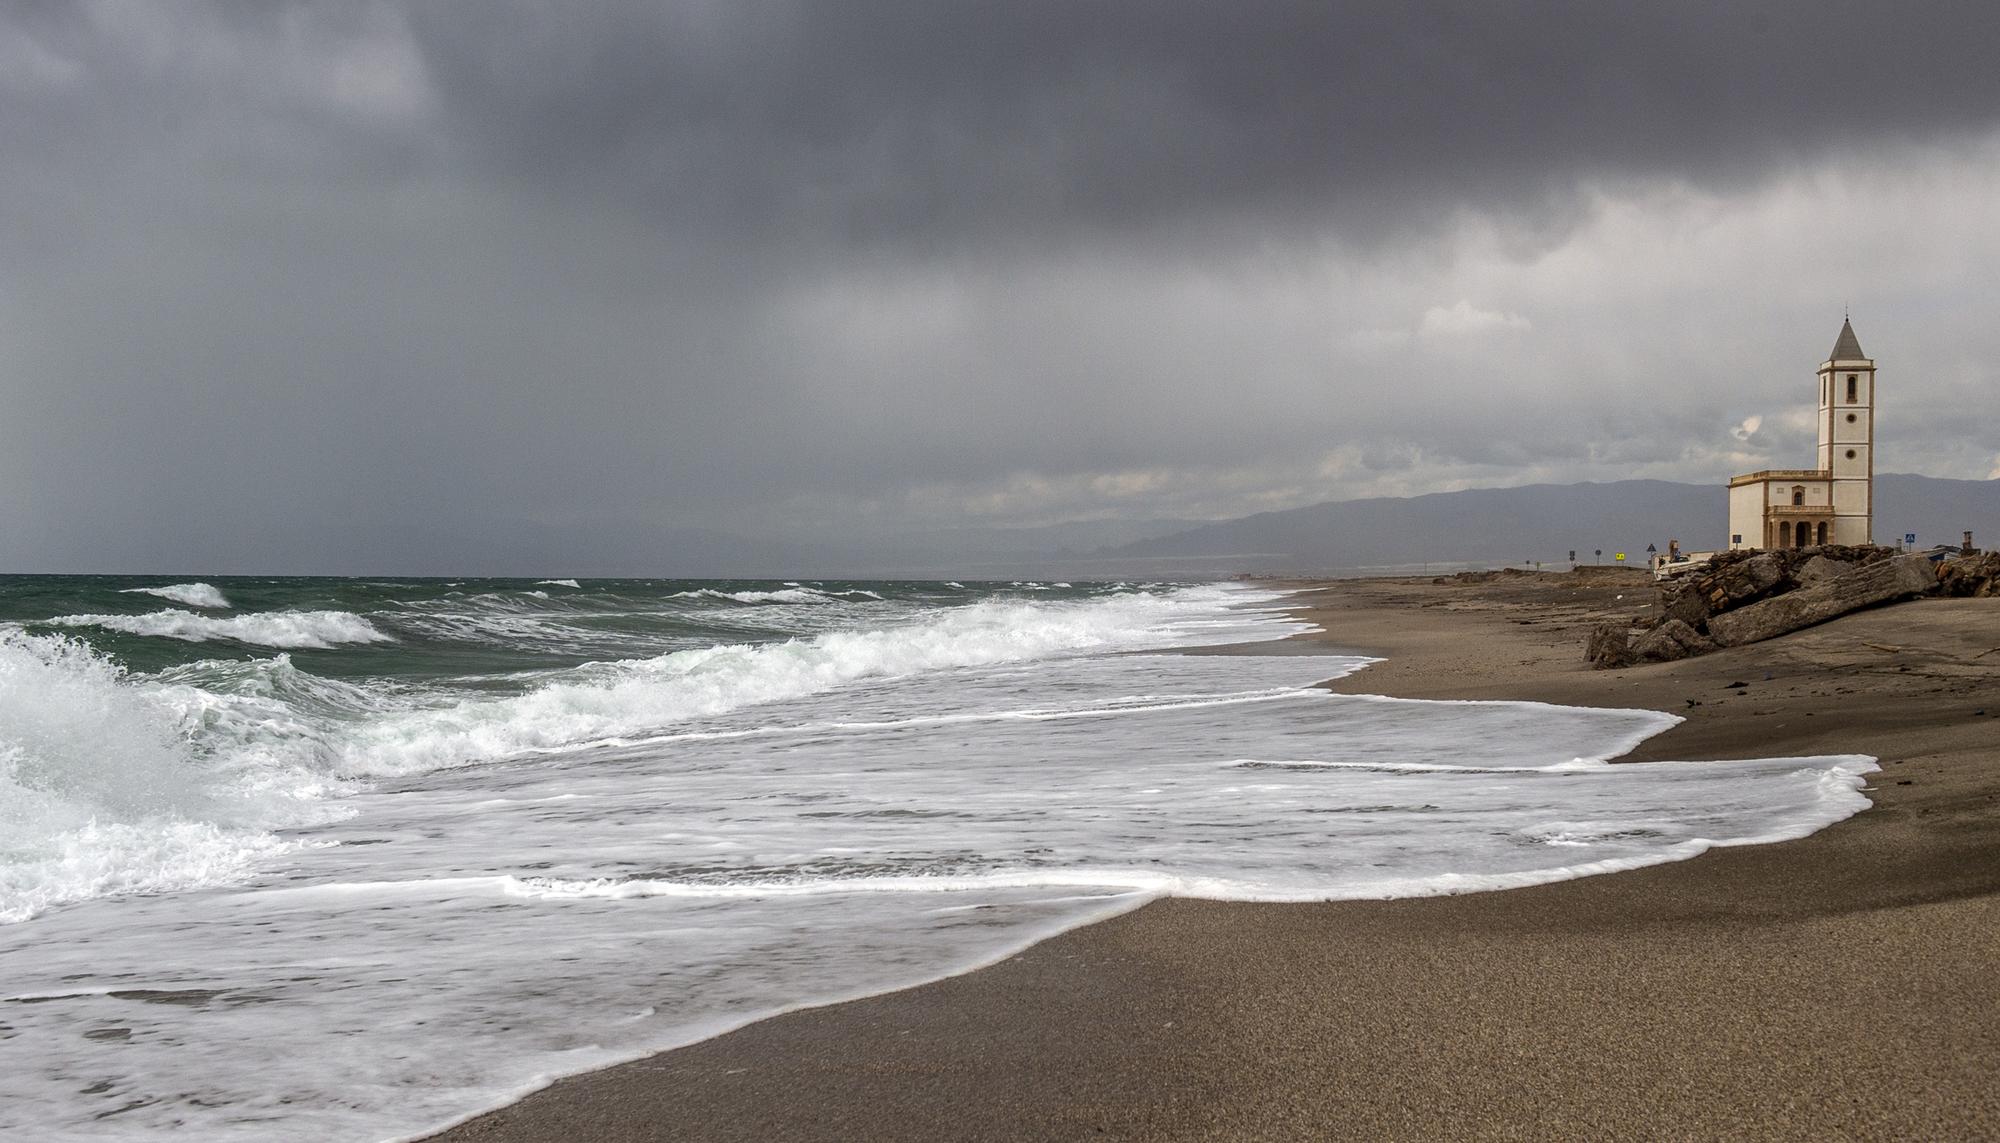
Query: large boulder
{"x":1899,"y":578}
{"x":1671,"y":640}
{"x":1818,"y":569}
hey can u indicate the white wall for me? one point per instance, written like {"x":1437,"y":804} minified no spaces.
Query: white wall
{"x":1746,"y":515}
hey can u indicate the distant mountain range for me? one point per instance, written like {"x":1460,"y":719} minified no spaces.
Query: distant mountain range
{"x":1477,"y":527}
{"x":1537,"y":522}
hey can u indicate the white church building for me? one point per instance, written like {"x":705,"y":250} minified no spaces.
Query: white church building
{"x":1830,"y":504}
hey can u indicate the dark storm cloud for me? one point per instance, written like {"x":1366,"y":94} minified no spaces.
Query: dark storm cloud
{"x":947,"y":123}
{"x":340,"y":286}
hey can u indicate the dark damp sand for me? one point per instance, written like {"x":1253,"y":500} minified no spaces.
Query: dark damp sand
{"x":1846,"y":985}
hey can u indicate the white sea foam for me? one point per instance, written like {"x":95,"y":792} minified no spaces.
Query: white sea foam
{"x":559,"y":583}
{"x":106,"y":859}
{"x":191,"y":594}
{"x":289,"y":629}
{"x":513,"y":620}
{"x":611,"y":700}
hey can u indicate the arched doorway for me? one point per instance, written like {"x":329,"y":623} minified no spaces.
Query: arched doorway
{"x":1802,"y":533}
{"x":1822,"y":531}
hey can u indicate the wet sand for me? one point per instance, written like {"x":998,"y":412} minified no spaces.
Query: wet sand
{"x":1843,"y":985}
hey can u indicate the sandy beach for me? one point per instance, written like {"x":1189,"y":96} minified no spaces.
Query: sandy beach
{"x":1845,"y":985}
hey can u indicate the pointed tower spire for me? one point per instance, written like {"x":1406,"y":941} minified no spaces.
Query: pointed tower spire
{"x":1848,"y":347}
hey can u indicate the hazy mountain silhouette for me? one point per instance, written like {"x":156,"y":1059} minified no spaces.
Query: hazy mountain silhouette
{"x":1537,"y":522}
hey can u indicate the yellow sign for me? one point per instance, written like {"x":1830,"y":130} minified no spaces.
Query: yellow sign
{"x":1621,"y":557}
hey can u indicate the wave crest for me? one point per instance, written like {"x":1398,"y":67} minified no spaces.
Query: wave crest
{"x":636,"y":695}
{"x":191,"y":594}
{"x":311,"y":630}
{"x":782,"y":595}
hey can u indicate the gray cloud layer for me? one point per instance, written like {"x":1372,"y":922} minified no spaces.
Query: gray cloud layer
{"x":339,"y":286}
{"x":942,"y":125}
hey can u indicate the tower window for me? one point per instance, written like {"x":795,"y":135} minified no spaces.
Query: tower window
{"x":1853,"y":388}
{"x":1850,"y":454}
{"x":1850,"y":418}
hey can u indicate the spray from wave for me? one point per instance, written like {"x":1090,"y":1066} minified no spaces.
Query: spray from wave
{"x":103,"y":788}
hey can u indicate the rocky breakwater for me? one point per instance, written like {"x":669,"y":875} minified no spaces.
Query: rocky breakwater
{"x":1971,"y":576}
{"x":1746,"y":597}
{"x":1904,"y":577}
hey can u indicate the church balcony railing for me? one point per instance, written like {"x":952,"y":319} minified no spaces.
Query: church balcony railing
{"x":1780,"y":474}
{"x":1807,"y":510}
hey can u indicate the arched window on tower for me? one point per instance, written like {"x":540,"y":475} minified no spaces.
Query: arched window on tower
{"x":1853,"y":388}
{"x":1798,"y":494}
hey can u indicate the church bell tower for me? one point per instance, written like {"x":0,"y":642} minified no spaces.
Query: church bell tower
{"x":1847,"y":436}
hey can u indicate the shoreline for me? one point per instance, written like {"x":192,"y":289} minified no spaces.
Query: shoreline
{"x":1842,"y":983}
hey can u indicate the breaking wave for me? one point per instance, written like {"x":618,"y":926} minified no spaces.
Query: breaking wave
{"x":602,"y":701}
{"x":782,"y":595}
{"x":191,"y":594}
{"x":107,"y":785}
{"x":287,"y":629}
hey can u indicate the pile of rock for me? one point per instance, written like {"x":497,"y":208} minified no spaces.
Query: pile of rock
{"x":1744,"y":597}
{"x":1977,"y":575}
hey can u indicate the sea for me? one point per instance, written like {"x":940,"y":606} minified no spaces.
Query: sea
{"x":356,"y":859}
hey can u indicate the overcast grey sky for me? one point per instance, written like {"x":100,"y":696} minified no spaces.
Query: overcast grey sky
{"x":356,"y":286}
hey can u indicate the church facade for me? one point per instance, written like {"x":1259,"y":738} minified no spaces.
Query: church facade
{"x":1833,"y":502}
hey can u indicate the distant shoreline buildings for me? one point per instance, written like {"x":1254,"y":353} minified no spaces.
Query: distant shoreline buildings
{"x":1830,"y":504}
